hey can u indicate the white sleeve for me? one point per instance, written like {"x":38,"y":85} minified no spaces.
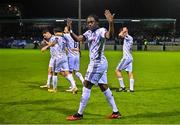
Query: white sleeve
{"x":57,"y":39}
{"x":66,"y":37}
{"x":128,"y":37}
{"x":86,"y":34}
{"x":102,"y":32}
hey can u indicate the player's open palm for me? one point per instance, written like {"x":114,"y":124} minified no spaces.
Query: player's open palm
{"x":69,"y":22}
{"x":109,"y":16}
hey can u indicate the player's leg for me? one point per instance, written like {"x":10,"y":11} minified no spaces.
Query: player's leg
{"x":64,"y":70}
{"x":131,"y":81}
{"x":56,"y":70}
{"x":54,"y":80}
{"x":84,"y":99}
{"x":86,"y":92}
{"x":79,"y":75}
{"x":118,"y":72}
{"x":121,"y":66}
{"x":121,"y":82}
{"x":69,"y":73}
{"x":131,"y":77}
{"x":109,"y":96}
{"x":69,"y":77}
{"x":93,"y":75}
{"x":71,"y":66}
{"x":71,"y":80}
{"x":76,"y":69}
{"x":50,"y":74}
{"x":50,"y":71}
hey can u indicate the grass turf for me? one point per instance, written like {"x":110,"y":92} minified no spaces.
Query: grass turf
{"x":155,"y":100}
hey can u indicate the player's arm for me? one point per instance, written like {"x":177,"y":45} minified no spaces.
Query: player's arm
{"x":43,"y":43}
{"x":121,"y":34}
{"x":110,"y":19}
{"x":75,"y":49}
{"x":49,"y":44}
{"x":76,"y":38}
{"x":45,"y":48}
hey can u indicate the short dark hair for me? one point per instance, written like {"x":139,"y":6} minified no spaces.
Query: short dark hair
{"x":57,"y":29}
{"x":121,"y":29}
{"x":96,"y":18}
{"x":45,"y":31}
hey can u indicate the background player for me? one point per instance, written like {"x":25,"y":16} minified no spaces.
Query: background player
{"x":48,"y":37}
{"x":73,"y":54}
{"x":126,"y":61}
{"x":58,"y":53}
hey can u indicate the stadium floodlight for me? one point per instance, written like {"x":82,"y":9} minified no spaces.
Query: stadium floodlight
{"x":59,"y":20}
{"x":135,"y":20}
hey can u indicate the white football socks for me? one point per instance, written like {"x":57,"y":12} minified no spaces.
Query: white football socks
{"x":79,"y":75}
{"x":110,"y":99}
{"x":84,"y":99}
{"x":54,"y":82}
{"x":131,"y":84}
{"x":71,"y":80}
{"x":49,"y":81}
{"x":121,"y":82}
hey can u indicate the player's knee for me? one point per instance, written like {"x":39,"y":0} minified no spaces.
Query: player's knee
{"x":50,"y":72}
{"x":103,"y":87}
{"x":63,"y":74}
{"x":66,"y":73}
{"x":130,"y":75}
{"x":87,"y":84}
{"x":117,"y":72}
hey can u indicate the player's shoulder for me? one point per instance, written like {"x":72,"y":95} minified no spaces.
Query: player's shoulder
{"x":58,"y":38}
{"x":52,"y":38}
{"x":66,"y":35}
{"x":101,"y":31}
{"x":102,"y":28}
{"x":129,"y":37}
{"x":88,"y":32}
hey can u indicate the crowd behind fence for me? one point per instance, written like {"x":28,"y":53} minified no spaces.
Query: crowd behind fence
{"x":147,"y":33}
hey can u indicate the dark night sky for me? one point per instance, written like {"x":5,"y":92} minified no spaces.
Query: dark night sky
{"x":122,"y":8}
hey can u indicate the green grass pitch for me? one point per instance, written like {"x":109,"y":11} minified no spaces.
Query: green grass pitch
{"x":156,"y":98}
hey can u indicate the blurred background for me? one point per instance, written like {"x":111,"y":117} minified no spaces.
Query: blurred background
{"x":154,"y":24}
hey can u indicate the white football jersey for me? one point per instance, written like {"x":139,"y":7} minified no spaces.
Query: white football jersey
{"x":59,"y":49}
{"x":72,"y":46}
{"x":96,"y":43}
{"x":127,"y":47}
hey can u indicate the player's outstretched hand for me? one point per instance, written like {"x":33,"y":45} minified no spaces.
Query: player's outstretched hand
{"x":109,"y":16}
{"x":43,"y":49}
{"x":69,"y":23}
